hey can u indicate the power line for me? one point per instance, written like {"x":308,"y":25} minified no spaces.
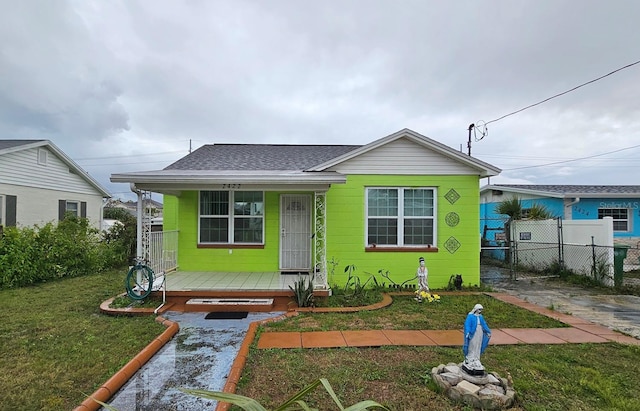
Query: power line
{"x":563,"y":93}
{"x":572,"y":160}
{"x":481,"y":126}
{"x":130,"y":155}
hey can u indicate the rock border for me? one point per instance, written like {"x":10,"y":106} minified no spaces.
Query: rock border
{"x":488,"y":392}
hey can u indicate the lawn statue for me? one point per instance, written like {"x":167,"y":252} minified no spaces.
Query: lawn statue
{"x":423,"y":285}
{"x":476,"y":339}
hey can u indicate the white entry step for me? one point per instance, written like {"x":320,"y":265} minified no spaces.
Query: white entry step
{"x":231,"y":301}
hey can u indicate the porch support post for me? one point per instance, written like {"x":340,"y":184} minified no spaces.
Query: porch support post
{"x":319,"y":240}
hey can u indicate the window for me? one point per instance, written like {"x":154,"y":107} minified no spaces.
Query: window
{"x":235,"y":217}
{"x":402,"y":217}
{"x":2,"y":222}
{"x":620,"y":217}
{"x":72,"y":207}
{"x":42,"y":156}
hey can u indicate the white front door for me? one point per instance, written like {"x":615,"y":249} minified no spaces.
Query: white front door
{"x":295,"y":232}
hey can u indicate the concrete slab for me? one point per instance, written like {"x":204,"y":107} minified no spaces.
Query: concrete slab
{"x":323,"y":339}
{"x":574,"y":335}
{"x":280,"y":340}
{"x":408,"y":337}
{"x":374,"y":338}
{"x":449,"y":338}
{"x":532,"y":336}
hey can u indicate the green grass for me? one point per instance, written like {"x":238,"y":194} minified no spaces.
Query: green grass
{"x":406,"y":314}
{"x":546,"y":377}
{"x":56,"y":346}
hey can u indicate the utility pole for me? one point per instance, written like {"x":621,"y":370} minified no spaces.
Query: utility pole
{"x":471,"y":126}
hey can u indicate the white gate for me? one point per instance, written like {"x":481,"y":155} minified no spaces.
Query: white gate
{"x":295,"y":232}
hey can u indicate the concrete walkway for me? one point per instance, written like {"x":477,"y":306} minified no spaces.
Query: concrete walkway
{"x":579,"y":331}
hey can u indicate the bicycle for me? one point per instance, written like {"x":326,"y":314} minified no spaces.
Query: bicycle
{"x":139,"y":280}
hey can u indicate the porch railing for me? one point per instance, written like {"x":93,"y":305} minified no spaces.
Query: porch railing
{"x":163,"y":250}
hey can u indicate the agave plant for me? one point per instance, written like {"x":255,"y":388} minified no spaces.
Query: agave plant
{"x":303,"y":291}
{"x":293,"y":403}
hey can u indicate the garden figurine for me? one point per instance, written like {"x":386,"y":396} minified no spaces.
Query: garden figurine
{"x":476,"y":339}
{"x":423,"y":284}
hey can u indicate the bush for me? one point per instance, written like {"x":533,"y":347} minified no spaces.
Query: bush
{"x":121,"y":238}
{"x":35,"y":254}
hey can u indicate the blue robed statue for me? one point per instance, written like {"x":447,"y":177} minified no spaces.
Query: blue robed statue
{"x":476,"y":339}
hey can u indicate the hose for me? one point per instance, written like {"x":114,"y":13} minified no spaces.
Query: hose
{"x":139,"y":288}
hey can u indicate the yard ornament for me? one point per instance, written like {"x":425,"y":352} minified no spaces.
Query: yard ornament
{"x":423,"y":284}
{"x":476,"y":339}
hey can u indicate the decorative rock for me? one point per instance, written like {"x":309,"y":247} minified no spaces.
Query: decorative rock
{"x":466,"y":387}
{"x":489,"y":392}
{"x":451,"y":378}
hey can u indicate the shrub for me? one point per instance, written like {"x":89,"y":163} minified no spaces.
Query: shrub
{"x":30,"y":255}
{"x":121,"y":238}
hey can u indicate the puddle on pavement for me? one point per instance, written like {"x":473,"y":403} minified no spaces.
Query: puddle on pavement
{"x":199,"y":357}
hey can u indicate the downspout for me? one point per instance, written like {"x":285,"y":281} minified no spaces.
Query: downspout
{"x":576,"y":200}
{"x":101,"y":222}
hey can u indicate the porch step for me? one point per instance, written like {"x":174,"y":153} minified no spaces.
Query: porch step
{"x":229,"y":304}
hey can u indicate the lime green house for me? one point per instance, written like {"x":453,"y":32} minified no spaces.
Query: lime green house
{"x":255,"y":208}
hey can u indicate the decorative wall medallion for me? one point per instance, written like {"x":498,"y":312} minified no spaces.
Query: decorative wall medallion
{"x":452,"y":219}
{"x":452,"y":245}
{"x":452,"y":196}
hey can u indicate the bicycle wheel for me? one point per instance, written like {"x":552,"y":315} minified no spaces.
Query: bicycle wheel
{"x":139,"y":282}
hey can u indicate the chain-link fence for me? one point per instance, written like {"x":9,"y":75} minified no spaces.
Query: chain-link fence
{"x":546,"y":248}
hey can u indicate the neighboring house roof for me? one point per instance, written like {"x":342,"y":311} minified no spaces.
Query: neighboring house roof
{"x":278,"y":164}
{"x":10,"y":146}
{"x":568,"y":191}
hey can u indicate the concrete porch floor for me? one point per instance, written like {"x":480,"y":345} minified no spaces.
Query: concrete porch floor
{"x":229,"y":281}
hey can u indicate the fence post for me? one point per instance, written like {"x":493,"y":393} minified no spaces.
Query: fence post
{"x":593,"y":255}
{"x":560,"y":243}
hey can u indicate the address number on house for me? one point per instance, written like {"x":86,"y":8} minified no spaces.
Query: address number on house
{"x":231,"y":186}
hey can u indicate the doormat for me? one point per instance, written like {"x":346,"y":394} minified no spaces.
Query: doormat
{"x":226,"y":315}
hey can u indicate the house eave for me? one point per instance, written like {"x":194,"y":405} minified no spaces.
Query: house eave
{"x":554,"y":194}
{"x":176,"y":181}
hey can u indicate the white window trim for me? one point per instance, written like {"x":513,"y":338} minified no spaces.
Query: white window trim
{"x":43,"y":156}
{"x":400,"y":216}
{"x":628,"y":219}
{"x":66,"y":207}
{"x":231,"y":217}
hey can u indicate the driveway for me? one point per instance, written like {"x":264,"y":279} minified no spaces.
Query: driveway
{"x":616,"y":312}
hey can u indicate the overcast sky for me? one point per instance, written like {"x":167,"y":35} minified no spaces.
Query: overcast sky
{"x":126,"y":85}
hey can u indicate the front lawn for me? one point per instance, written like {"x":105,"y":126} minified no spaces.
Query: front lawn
{"x":55,"y":345}
{"x":407,"y":314}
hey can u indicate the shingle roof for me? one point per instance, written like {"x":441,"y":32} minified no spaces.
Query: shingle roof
{"x":574,"y":189}
{"x":5,"y":144}
{"x":259,"y":157}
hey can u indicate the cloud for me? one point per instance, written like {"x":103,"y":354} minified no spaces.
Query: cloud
{"x":128,"y":85}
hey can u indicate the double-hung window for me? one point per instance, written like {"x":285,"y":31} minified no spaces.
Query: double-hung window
{"x":401,"y":217}
{"x":73,"y":208}
{"x":231,"y":217}
{"x":620,"y":217}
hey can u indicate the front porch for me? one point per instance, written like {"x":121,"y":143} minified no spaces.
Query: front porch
{"x":207,"y":291}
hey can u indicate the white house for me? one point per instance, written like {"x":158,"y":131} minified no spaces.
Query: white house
{"x":39,"y":184}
